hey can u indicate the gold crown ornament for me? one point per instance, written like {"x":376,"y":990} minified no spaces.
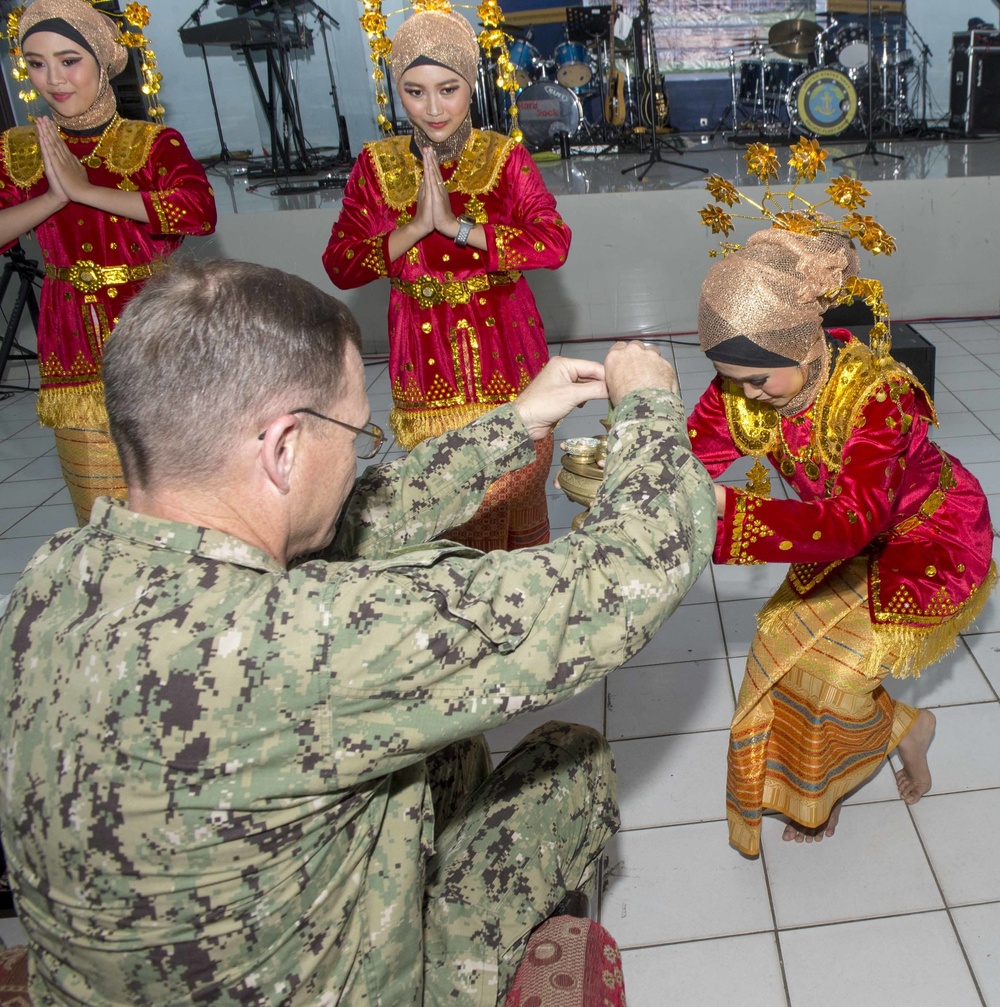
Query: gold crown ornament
{"x":787,"y":210}
{"x":130,"y":24}
{"x":492,"y":40}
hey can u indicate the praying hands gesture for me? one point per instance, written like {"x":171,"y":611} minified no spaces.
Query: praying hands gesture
{"x":434,"y":213}
{"x":69,"y":182}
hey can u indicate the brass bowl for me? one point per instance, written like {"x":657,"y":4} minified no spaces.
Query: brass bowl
{"x":582,"y":467}
{"x":584,"y":448}
{"x":579,"y":488}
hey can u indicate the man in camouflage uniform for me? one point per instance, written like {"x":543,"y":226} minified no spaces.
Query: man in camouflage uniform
{"x":222,"y":767}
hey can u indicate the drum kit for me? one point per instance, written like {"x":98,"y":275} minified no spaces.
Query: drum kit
{"x":564,"y":97}
{"x":552,"y":91}
{"x":817,"y":84}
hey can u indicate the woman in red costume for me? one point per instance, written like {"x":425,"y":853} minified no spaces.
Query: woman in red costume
{"x":109,"y":199}
{"x":452,"y":216}
{"x":889,"y":542}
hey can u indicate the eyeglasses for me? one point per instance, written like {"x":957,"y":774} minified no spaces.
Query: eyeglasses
{"x":369,"y":440}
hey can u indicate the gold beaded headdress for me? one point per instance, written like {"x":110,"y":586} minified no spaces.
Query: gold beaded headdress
{"x":110,"y":35}
{"x":492,"y":40}
{"x":819,"y":243}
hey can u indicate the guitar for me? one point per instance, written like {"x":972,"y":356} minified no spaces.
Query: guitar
{"x":614,"y":98}
{"x":654,"y":110}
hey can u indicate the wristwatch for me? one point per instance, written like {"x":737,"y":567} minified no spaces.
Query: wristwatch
{"x":465,"y":226}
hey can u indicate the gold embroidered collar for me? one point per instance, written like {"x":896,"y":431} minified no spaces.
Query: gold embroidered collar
{"x":399,"y":172}
{"x":125,"y":150}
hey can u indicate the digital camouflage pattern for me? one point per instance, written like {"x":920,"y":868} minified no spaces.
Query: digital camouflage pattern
{"x":215,"y":780}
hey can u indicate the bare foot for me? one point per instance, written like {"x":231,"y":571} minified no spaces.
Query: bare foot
{"x":914,"y":779}
{"x":800,"y":834}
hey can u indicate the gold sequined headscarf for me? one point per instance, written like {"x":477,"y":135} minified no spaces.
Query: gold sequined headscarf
{"x":99,"y":33}
{"x":447,"y":39}
{"x":763,"y":305}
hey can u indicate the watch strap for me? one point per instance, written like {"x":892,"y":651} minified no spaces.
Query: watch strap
{"x":465,"y":226}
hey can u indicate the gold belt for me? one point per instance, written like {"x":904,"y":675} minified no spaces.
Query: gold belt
{"x":430,"y":292}
{"x":88,"y":277}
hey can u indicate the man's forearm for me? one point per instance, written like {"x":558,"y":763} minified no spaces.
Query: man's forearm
{"x":437,"y":486}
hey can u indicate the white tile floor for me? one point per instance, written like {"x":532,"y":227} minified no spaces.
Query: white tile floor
{"x":902,"y":907}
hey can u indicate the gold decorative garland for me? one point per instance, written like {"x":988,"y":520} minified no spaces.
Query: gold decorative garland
{"x":802,"y":217}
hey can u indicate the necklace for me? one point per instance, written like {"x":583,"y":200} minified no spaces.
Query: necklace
{"x":96,"y":157}
{"x":806,"y":457}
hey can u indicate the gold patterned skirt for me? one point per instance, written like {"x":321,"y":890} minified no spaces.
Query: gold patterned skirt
{"x":812,"y":720}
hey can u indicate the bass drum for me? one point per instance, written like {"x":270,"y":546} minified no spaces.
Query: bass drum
{"x":822,"y":102}
{"x":545,"y":110}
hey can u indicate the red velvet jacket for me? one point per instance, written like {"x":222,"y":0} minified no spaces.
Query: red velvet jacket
{"x":78,"y":313}
{"x":869,"y":481}
{"x":465,"y":334}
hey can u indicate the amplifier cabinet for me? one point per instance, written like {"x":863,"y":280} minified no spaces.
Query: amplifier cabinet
{"x":975,"y":82}
{"x":908,"y":347}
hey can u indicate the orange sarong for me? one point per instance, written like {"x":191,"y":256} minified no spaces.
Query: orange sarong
{"x":812,"y":722}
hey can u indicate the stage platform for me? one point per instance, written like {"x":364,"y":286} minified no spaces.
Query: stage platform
{"x":639,"y":250}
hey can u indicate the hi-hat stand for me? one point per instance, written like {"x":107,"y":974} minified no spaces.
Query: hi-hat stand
{"x":27,"y":272}
{"x":870,"y":147}
{"x":655,"y":96}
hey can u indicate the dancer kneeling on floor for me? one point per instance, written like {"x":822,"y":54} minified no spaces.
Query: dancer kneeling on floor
{"x":889,"y":543}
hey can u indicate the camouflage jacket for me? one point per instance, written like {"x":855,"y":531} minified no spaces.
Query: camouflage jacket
{"x":214,"y":784}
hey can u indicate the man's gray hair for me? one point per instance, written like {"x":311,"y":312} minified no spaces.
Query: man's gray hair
{"x":208,"y":352}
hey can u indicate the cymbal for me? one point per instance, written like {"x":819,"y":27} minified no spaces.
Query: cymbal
{"x":796,"y":37}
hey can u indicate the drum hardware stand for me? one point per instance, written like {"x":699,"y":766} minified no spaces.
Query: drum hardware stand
{"x":734,"y":105}
{"x":27,"y":272}
{"x":647,"y":54}
{"x":925,"y":58}
{"x":870,"y":147}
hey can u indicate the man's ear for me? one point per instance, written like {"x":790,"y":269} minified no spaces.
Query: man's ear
{"x":278,"y":451}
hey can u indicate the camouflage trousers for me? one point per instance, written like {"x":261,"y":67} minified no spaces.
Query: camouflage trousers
{"x":510,"y":844}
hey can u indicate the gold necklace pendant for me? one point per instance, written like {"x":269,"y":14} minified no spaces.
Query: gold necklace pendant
{"x":806,"y":457}
{"x":94,"y":158}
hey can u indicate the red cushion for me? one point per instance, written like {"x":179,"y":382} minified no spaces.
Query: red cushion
{"x":14,"y":977}
{"x":569,"y":962}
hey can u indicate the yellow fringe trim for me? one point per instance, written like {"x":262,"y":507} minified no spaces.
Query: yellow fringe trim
{"x":410,"y":428}
{"x":906,"y":649}
{"x":81,"y":407}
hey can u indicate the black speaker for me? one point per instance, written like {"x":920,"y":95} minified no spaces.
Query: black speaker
{"x":908,"y":347}
{"x":975,"y":82}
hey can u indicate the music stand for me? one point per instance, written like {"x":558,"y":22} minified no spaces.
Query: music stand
{"x":870,"y":147}
{"x":647,"y":54}
{"x":585,"y":24}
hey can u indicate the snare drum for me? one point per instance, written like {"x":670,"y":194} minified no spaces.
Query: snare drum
{"x":527,"y":62}
{"x":822,"y":102}
{"x":848,"y":48}
{"x":545,"y":110}
{"x":572,"y":62}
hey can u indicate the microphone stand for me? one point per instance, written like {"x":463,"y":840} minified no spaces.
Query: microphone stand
{"x":344,"y":152}
{"x":870,"y":147}
{"x":195,"y":17}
